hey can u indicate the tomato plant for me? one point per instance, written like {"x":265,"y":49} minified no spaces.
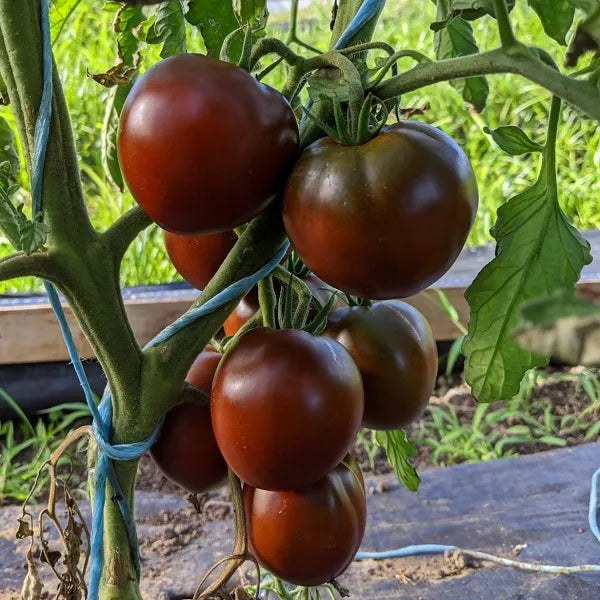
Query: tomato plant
{"x":358,"y":216}
{"x":286,"y":407}
{"x":187,"y":452}
{"x":309,"y":537}
{"x":198,"y":257}
{"x":394,"y":349}
{"x":195,"y":158}
{"x":206,"y":148}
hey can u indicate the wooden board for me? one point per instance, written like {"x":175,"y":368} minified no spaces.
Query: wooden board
{"x":538,"y":502}
{"x":29,"y":333}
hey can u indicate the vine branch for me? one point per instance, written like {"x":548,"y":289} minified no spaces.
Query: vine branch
{"x":507,"y":37}
{"x":19,"y":264}
{"x":124,"y":230}
{"x":525,"y":63}
{"x":256,"y":246}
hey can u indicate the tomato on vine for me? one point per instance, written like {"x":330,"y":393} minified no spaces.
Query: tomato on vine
{"x":308,"y":537}
{"x":203,"y":146}
{"x":198,"y":257}
{"x":286,"y":407}
{"x":395,"y":352}
{"x":383,"y":219}
{"x":187,"y":452}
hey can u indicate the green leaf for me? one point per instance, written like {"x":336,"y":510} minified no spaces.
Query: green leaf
{"x":10,"y":216}
{"x":556,"y":17}
{"x":4,"y":99}
{"x":399,"y":449}
{"x":328,"y":88}
{"x":168,"y":29}
{"x":216,"y":19}
{"x":561,"y":325}
{"x":108,"y":138}
{"x":538,"y":252}
{"x":456,"y":39}
{"x":33,"y":235}
{"x":61,"y":11}
{"x":475,"y":9}
{"x":513,"y":140}
{"x":561,"y":304}
{"x":128,"y":20}
{"x":9,"y":157}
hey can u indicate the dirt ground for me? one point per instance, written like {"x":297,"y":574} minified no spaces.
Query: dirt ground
{"x":167,"y":533}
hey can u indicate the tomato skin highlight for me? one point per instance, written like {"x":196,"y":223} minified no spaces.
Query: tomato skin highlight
{"x":395,"y":352}
{"x":384,"y":219}
{"x":308,"y":537}
{"x":198,"y":257}
{"x":187,"y":452}
{"x":203,"y":146}
{"x":286,"y":407}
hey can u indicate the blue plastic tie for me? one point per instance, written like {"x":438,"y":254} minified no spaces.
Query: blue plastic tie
{"x":369,"y":10}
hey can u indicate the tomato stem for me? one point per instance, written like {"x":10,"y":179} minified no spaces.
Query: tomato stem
{"x":267,"y":301}
{"x":507,"y":37}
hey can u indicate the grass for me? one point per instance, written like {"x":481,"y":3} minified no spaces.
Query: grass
{"x":526,"y":422}
{"x":87,"y":43}
{"x":26,"y":446}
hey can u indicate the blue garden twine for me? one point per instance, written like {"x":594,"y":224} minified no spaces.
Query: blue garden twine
{"x":102,"y":414}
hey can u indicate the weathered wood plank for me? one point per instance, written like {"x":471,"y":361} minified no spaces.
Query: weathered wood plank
{"x":29,"y":333}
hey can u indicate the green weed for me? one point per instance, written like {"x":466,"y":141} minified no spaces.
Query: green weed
{"x":26,"y":446}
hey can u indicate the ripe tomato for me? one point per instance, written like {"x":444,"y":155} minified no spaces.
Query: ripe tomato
{"x":198,"y":257}
{"x":286,"y":407}
{"x":187,"y":452}
{"x":394,"y":350}
{"x":203,"y":146}
{"x":384,"y":219}
{"x":249,"y":304}
{"x":308,"y":537}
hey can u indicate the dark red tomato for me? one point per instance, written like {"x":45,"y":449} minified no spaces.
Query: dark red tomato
{"x":187,"y":452}
{"x":203,"y":146}
{"x":249,"y":304}
{"x":286,"y":407}
{"x":308,"y":537}
{"x":394,"y":350}
{"x":384,"y":219}
{"x":242,"y":313}
{"x":198,"y":257}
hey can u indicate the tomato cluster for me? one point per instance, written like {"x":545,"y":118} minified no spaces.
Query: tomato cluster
{"x":204,"y":147}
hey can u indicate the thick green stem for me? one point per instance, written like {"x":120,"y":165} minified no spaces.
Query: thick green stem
{"x":119,"y":579}
{"x":122,"y":232}
{"x":257,"y":245}
{"x":20,"y":68}
{"x":19,"y":264}
{"x":525,"y":63}
{"x":550,"y":146}
{"x":507,"y":37}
